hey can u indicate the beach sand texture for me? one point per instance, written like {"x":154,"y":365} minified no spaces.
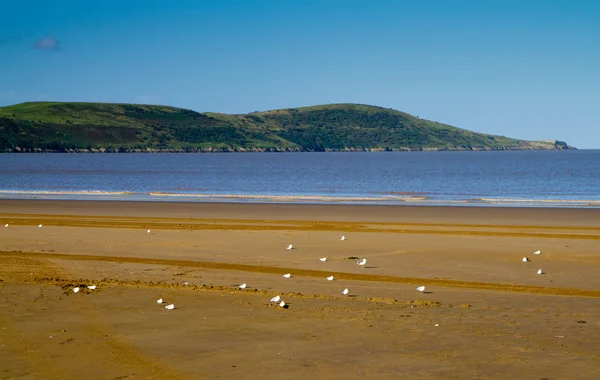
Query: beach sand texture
{"x":485,"y":314}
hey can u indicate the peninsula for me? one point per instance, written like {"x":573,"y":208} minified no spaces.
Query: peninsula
{"x":110,"y":127}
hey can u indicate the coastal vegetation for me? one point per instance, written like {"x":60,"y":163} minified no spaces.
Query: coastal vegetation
{"x":108,"y":127}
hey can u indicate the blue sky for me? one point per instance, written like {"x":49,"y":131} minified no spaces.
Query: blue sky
{"x":524,"y":69}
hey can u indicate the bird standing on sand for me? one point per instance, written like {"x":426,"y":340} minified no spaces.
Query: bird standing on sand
{"x":287,"y":275}
{"x":540,"y":271}
{"x":323,"y":259}
{"x":343,"y":238}
{"x":160,"y":300}
{"x":91,"y":287}
{"x":243,"y":286}
{"x":39,"y":225}
{"x":421,"y":289}
{"x":282,"y":304}
{"x":330,"y":278}
{"x":537,"y":252}
{"x":170,"y":307}
{"x":345,"y":292}
{"x":6,"y":225}
{"x":361,"y":262}
{"x":76,"y":289}
{"x":289,"y":246}
{"x":275,"y":299}
{"x":525,"y":259}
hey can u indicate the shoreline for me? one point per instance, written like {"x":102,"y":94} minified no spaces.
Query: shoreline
{"x":306,"y":211}
{"x":404,"y":199}
{"x":287,"y":150}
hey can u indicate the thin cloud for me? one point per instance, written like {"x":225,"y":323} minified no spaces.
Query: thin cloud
{"x":47,"y":43}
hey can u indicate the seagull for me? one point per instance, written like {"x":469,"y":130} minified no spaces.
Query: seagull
{"x":525,"y":259}
{"x":421,"y":288}
{"x":170,"y":307}
{"x":323,"y":259}
{"x":160,"y":300}
{"x":540,"y":271}
{"x":39,"y":225}
{"x":76,"y":289}
{"x":275,"y":299}
{"x":6,"y":225}
{"x":343,"y":238}
{"x":345,"y":291}
{"x":148,"y":231}
{"x":287,"y":275}
{"x":361,"y":262}
{"x":282,"y":304}
{"x":289,"y":246}
{"x":330,"y":278}
{"x":243,"y":286}
{"x":537,"y":252}
{"x":91,"y":287}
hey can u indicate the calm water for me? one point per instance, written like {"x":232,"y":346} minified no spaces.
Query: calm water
{"x":529,"y":178}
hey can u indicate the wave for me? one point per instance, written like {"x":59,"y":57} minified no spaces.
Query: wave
{"x":62,"y":192}
{"x":543,"y":201}
{"x":400,"y":198}
{"x":322,"y":198}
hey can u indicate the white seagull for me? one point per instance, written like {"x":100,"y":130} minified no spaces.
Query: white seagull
{"x":330,"y":278}
{"x":39,"y":225}
{"x":525,"y":259}
{"x":343,"y":238}
{"x":76,"y":289}
{"x":537,"y":252}
{"x":6,"y":225}
{"x":91,"y":287}
{"x":148,"y":231}
{"x":170,"y":307}
{"x":421,"y":288}
{"x":275,"y":299}
{"x":361,"y":262}
{"x":287,"y":275}
{"x":243,"y":286}
{"x":289,"y":246}
{"x":345,"y":292}
{"x":540,"y":271}
{"x":323,"y":259}
{"x":160,"y":300}
{"x":282,"y":304}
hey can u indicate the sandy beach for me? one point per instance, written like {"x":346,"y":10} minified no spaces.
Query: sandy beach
{"x":485,"y":313}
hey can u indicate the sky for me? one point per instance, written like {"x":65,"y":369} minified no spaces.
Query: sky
{"x":523,"y":69}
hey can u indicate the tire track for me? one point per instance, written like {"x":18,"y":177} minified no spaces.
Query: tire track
{"x":552,"y":232}
{"x":318,"y":274}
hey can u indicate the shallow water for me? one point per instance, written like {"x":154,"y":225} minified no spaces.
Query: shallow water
{"x":524,"y":178}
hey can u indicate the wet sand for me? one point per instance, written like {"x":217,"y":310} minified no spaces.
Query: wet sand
{"x":496,"y":318}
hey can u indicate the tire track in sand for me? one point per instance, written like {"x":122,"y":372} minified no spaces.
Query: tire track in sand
{"x":196,"y":224}
{"x":319,"y":274}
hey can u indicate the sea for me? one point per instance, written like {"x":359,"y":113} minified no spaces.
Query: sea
{"x":494,"y":178}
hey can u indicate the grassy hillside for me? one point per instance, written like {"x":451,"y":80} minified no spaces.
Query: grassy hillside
{"x":59,"y":126}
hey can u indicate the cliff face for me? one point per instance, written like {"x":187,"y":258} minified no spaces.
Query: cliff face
{"x":105,"y":127}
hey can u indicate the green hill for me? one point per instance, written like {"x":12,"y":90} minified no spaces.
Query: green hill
{"x":59,"y":126}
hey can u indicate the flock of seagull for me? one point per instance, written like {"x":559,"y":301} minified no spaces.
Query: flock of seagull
{"x":526,"y":260}
{"x":277,"y":299}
